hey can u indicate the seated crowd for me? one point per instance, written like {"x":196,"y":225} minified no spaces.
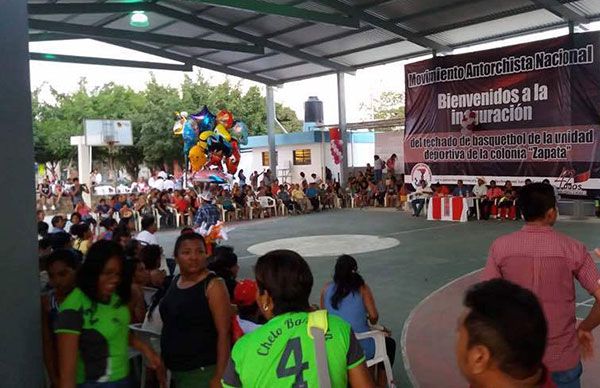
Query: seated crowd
{"x":216,"y":330}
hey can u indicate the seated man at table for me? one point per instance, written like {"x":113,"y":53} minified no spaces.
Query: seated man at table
{"x":419,"y":197}
{"x":440,"y":190}
{"x":488,"y":204}
{"x":460,"y":190}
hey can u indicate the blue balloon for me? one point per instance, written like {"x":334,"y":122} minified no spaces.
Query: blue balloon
{"x":189,"y":136}
{"x":205,"y":119}
{"x":239,"y":131}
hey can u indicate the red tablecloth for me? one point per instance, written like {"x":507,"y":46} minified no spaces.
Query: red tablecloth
{"x":448,"y":209}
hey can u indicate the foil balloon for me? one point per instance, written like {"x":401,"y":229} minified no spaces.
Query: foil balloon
{"x":203,"y":138}
{"x":178,"y":126}
{"x":220,"y":129}
{"x":225,"y":118}
{"x":197,"y":158}
{"x":189,"y":136}
{"x":239,"y":131}
{"x":234,"y":160}
{"x":206,"y":120}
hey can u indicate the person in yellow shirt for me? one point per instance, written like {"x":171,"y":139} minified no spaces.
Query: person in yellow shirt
{"x":299,"y":196}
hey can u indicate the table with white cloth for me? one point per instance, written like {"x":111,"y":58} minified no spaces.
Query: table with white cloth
{"x":449,"y":208}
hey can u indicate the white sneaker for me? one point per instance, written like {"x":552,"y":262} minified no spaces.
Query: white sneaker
{"x":44,"y":207}
{"x":53,"y":207}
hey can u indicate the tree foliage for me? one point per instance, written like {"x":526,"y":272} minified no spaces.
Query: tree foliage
{"x":388,"y":105}
{"x":152,"y":112}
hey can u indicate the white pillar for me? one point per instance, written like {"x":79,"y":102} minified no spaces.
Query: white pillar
{"x":271,"y":131}
{"x":20,"y":337}
{"x":341,"y":89}
{"x":84,"y":164}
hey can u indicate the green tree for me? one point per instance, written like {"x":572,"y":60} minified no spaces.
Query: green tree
{"x":388,"y":105}
{"x":156,"y":139}
{"x":152,"y":113}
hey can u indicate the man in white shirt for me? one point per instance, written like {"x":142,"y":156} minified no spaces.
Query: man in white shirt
{"x":147,"y":235}
{"x":479,"y":192}
{"x":421,"y":195}
{"x":169,"y":184}
{"x":378,"y":168}
{"x":480,"y":189}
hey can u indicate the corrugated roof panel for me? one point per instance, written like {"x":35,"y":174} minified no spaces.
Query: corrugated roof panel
{"x":182,"y":29}
{"x":308,"y":34}
{"x":317,"y":7}
{"x":89,"y":19}
{"x":394,"y":9}
{"x":296,"y":71}
{"x":462,"y":13}
{"x":189,"y":51}
{"x":52,"y":18}
{"x":585,"y":7}
{"x":380,"y":53}
{"x":229,"y":56}
{"x":268,"y":24}
{"x":352,"y":41}
{"x":535,"y":19}
{"x":227,"y":15}
{"x":188,"y":5}
{"x":269,"y":62}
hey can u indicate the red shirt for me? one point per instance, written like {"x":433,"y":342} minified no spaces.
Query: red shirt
{"x":181,"y":205}
{"x":494,"y":192}
{"x":546,"y":262}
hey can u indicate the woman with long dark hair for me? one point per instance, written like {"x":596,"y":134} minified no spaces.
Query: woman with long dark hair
{"x":281,"y":353}
{"x":93,"y":325}
{"x":350,"y":298}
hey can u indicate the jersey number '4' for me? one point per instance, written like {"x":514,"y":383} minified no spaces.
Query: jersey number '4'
{"x":293,"y":347}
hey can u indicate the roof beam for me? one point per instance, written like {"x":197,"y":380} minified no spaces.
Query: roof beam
{"x":560,"y":10}
{"x":108,"y":62}
{"x":47,"y":36}
{"x":386,"y":25}
{"x":80,"y":8}
{"x":286,"y":10}
{"x":226,"y":30}
{"x":196,"y":62}
{"x":100,"y":32}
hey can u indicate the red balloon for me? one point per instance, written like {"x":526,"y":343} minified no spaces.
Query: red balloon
{"x":225,"y":118}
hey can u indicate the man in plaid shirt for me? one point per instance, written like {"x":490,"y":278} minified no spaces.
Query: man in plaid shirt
{"x":546,"y":262}
{"x":208,"y":213}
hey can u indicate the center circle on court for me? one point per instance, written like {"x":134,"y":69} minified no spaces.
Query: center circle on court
{"x":327,"y":245}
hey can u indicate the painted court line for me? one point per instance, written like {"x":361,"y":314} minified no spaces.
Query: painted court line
{"x":407,"y":368}
{"x":422,"y":229}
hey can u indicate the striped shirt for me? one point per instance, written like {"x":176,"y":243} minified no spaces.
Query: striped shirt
{"x":546,"y":262}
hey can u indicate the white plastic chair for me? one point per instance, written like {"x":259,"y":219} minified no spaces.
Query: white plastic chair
{"x":151,"y":338}
{"x":380,"y":354}
{"x":269,"y":204}
{"x":157,"y":217}
{"x":149,"y":294}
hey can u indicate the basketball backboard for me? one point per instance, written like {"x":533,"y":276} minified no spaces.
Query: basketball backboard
{"x":104,"y":132}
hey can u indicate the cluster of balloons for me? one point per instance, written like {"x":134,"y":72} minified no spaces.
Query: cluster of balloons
{"x":211,"y":141}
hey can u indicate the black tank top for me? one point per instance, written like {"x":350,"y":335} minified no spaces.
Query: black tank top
{"x":189,"y":337}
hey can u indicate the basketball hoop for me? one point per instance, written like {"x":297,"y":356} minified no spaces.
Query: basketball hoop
{"x":112,"y":146}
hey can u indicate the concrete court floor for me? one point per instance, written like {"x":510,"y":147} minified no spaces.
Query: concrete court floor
{"x":429,"y":255}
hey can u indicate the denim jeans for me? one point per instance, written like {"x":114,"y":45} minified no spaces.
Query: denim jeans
{"x":417,"y":205}
{"x":568,"y":378}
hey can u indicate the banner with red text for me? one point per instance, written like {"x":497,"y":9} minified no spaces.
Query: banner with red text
{"x":525,"y":111}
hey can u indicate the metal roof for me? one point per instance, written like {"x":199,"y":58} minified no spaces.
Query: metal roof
{"x":278,"y":41}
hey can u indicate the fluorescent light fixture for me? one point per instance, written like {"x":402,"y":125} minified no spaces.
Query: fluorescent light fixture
{"x":139,"y":19}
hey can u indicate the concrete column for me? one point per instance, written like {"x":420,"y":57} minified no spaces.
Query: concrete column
{"x":20,"y":337}
{"x":341,"y":89}
{"x":271,"y":131}
{"x":84,"y":165}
